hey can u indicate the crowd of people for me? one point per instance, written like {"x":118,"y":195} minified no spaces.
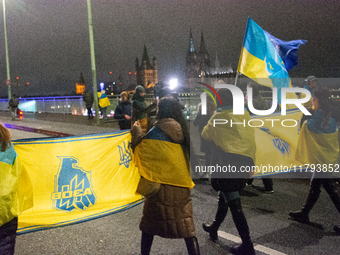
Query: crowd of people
{"x":167,"y":210}
{"x":224,"y":144}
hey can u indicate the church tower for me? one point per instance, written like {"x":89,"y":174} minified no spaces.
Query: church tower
{"x":80,"y":86}
{"x":204,"y":58}
{"x":196,"y":64}
{"x":146,"y":73}
{"x":191,"y":61}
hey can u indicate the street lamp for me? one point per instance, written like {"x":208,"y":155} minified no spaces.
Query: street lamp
{"x":8,"y":81}
{"x":93,"y":61}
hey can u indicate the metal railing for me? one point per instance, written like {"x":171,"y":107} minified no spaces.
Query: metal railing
{"x":76,"y":106}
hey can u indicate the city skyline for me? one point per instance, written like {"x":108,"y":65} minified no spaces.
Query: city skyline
{"x":49,"y":40}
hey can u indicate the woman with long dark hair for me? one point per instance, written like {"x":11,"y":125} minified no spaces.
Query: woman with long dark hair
{"x":162,"y":157}
{"x":318,"y":146}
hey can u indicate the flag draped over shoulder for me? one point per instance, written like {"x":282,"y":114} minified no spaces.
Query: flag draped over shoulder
{"x":315,"y":148}
{"x":266,"y":59}
{"x":16,"y":193}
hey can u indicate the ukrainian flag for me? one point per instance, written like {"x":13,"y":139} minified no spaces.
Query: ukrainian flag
{"x":259,"y":59}
{"x":16,"y":192}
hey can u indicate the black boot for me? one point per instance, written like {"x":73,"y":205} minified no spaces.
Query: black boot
{"x":246,"y":248}
{"x":192,"y":246}
{"x":147,"y":240}
{"x":302,"y":215}
{"x":336,"y":199}
{"x":337,"y":229}
{"x":221,"y":213}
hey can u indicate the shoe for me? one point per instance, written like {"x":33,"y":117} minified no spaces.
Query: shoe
{"x":299,"y":216}
{"x":337,"y":229}
{"x":243,"y":249}
{"x":212,"y":232}
{"x":267,"y":191}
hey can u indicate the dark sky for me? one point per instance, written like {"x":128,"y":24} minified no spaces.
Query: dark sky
{"x":49,"y":39}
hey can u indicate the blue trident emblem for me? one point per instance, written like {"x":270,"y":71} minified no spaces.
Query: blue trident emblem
{"x":125,"y":155}
{"x":73,"y":187}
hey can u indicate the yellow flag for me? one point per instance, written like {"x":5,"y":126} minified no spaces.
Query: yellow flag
{"x":15,"y":187}
{"x":78,"y":178}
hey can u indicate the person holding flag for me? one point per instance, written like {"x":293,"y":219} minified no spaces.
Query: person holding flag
{"x":228,"y":147}
{"x":163,"y":159}
{"x":16,"y":192}
{"x":104,"y":102}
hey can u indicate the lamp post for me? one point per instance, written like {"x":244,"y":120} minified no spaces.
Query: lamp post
{"x":8,"y":81}
{"x":93,"y":62}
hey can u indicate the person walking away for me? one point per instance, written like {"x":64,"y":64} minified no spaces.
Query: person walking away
{"x":104,"y":102}
{"x":260,"y":104}
{"x":123,"y":111}
{"x":201,"y":121}
{"x":88,"y":98}
{"x":318,"y":144}
{"x":163,"y":156}
{"x":13,"y":106}
{"x":234,"y":146}
{"x":139,"y":108}
{"x":16,"y":193}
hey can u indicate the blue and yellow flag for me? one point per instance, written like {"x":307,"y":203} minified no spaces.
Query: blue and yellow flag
{"x":313,"y":148}
{"x":287,"y":50}
{"x":259,"y":59}
{"x":276,"y":143}
{"x":15,"y":186}
{"x":77,"y":179}
{"x":262,"y":57}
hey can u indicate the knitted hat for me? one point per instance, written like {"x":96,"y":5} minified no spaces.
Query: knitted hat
{"x":139,"y":89}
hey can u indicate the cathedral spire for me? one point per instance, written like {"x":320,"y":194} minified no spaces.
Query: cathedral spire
{"x":81,"y":79}
{"x":146,"y":58}
{"x":191,"y":43}
{"x":203,"y":49}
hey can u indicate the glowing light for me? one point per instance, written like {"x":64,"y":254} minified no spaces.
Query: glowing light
{"x":173,"y":83}
{"x":28,"y":106}
{"x":101,"y":85}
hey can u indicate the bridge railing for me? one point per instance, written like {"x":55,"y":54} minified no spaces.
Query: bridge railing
{"x":76,"y":106}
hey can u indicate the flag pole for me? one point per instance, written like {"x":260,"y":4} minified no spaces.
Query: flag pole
{"x":93,"y":62}
{"x":236,"y":77}
{"x":239,"y":60}
{"x":8,"y":81}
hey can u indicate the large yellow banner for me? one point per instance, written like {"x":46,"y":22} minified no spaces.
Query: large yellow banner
{"x":276,"y":138}
{"x":77,"y":179}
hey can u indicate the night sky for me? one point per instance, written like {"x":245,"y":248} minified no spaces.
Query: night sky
{"x":49,"y":40}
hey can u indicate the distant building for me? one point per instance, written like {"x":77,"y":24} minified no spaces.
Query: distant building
{"x":80,"y":86}
{"x":196,"y":64}
{"x":147,"y":75}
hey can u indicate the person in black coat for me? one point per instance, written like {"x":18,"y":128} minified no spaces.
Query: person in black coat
{"x":88,"y":98}
{"x":123,"y":111}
